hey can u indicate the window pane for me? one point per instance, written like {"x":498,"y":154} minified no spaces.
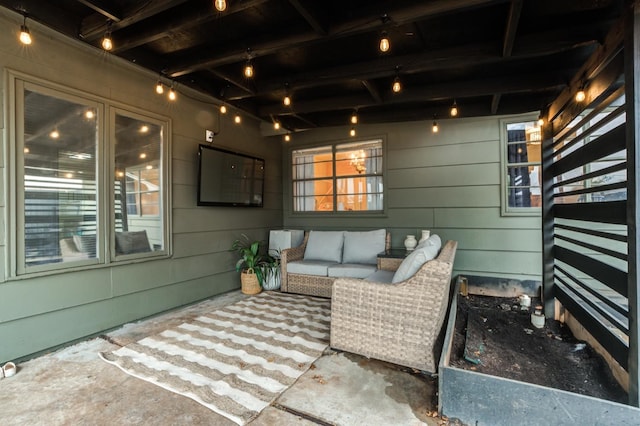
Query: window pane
{"x":359,"y":194}
{"x":59,"y":168}
{"x":523,"y":165}
{"x":138,"y":205}
{"x":315,"y":195}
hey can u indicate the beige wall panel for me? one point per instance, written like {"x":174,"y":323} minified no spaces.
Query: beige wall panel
{"x":462,"y":196}
{"x":196,"y":243}
{"x":219,"y":218}
{"x":482,"y":217}
{"x":517,"y":240}
{"x":184,"y":196}
{"x":26,"y":297}
{"x":506,"y":262}
{"x":428,"y":156}
{"x":466,"y":175}
{"x":184,"y":172}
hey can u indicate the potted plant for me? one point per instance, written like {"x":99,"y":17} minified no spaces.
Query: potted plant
{"x":270,"y":272}
{"x":249,"y":264}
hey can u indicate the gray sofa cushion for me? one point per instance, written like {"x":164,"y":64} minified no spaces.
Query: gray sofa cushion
{"x":363,"y":247}
{"x":309,"y":267}
{"x":351,"y":270}
{"x":324,"y":245}
{"x":381,"y":276}
{"x":413,"y":262}
{"x":433,"y":240}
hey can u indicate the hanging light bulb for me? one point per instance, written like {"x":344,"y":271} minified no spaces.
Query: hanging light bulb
{"x":385,"y":44}
{"x":354,"y":118}
{"x":54,"y":134}
{"x":25,"y":35}
{"x":223,"y":109}
{"x":172,"y":94}
{"x":580,"y":95}
{"x":286,"y":100}
{"x":159,"y":88}
{"x":434,"y":127}
{"x":248,"y":69}
{"x":287,"y":137}
{"x":107,"y":43}
{"x":352,"y":132}
{"x":237,"y":119}
{"x":540,"y":121}
{"x":221,"y":5}
{"x":276,"y":125}
{"x":454,"y":109}
{"x":397,"y":85}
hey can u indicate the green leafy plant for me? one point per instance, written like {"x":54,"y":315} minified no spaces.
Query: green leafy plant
{"x":270,"y":272}
{"x":251,"y":258}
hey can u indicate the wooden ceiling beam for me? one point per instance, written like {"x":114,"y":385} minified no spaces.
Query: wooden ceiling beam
{"x":443,"y":59}
{"x":373,"y":91}
{"x":363,"y":23}
{"x":495,"y":103}
{"x":524,"y":83}
{"x":104,"y":9}
{"x":512,"y":26}
{"x":311,"y":12}
{"x":94,"y":26}
{"x":169,"y":24}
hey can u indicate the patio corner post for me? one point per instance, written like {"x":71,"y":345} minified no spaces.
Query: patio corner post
{"x":632,"y":87}
{"x":547,"y":219}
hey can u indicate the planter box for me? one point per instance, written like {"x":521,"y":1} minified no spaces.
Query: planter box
{"x":481,"y":399}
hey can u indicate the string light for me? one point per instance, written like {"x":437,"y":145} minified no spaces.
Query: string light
{"x":580,"y":95}
{"x":172,"y":93}
{"x":397,"y":85}
{"x":25,"y":35}
{"x":237,"y":119}
{"x":159,"y":88}
{"x":221,"y":5}
{"x":248,"y":69}
{"x":54,"y":134}
{"x":287,"y":137}
{"x":354,"y":118}
{"x":223,"y":109}
{"x":540,"y":121}
{"x":352,"y":132}
{"x":454,"y":109}
{"x":286,"y":100}
{"x":276,"y":125}
{"x":385,"y":44}
{"x":434,"y":127}
{"x":107,"y":43}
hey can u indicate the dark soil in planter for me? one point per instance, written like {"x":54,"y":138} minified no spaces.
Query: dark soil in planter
{"x":504,"y":343}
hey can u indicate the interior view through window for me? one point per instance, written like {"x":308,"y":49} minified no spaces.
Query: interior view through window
{"x":58,"y":167}
{"x":342,"y":177}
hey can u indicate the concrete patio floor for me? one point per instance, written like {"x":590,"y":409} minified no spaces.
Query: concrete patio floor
{"x":73,"y":386}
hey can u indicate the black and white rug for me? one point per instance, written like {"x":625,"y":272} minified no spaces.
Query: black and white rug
{"x":238,"y":359}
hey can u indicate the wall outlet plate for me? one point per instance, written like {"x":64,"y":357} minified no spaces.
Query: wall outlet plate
{"x":208,"y":135}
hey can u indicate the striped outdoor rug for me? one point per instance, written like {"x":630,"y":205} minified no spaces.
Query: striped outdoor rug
{"x":238,"y":359}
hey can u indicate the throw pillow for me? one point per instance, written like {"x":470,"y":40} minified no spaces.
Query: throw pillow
{"x":433,"y":240}
{"x":324,"y":245}
{"x":132,"y":242}
{"x":413,"y":262}
{"x":363,"y":247}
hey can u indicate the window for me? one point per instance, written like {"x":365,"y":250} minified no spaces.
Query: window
{"x":60,"y":180}
{"x":521,"y":165}
{"x":342,"y":177}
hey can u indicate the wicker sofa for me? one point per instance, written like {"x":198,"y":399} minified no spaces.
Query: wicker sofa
{"x":399,"y":323}
{"x":296,"y":280}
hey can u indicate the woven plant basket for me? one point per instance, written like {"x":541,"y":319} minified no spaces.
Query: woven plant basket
{"x":250,"y":283}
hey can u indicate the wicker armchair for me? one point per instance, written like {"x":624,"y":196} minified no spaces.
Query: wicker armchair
{"x":398,"y":323}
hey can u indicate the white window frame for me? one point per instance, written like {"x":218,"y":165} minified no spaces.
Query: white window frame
{"x":333,"y":148}
{"x":15,"y":267}
{"x":505,"y":209}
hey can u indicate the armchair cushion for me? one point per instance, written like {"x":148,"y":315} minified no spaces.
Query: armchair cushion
{"x":363,"y":247}
{"x":351,"y":270}
{"x":433,"y":240}
{"x":324,"y":245}
{"x":414,"y":261}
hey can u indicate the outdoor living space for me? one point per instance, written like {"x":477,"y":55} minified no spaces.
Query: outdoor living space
{"x":141,"y":140}
{"x":74,"y":386}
